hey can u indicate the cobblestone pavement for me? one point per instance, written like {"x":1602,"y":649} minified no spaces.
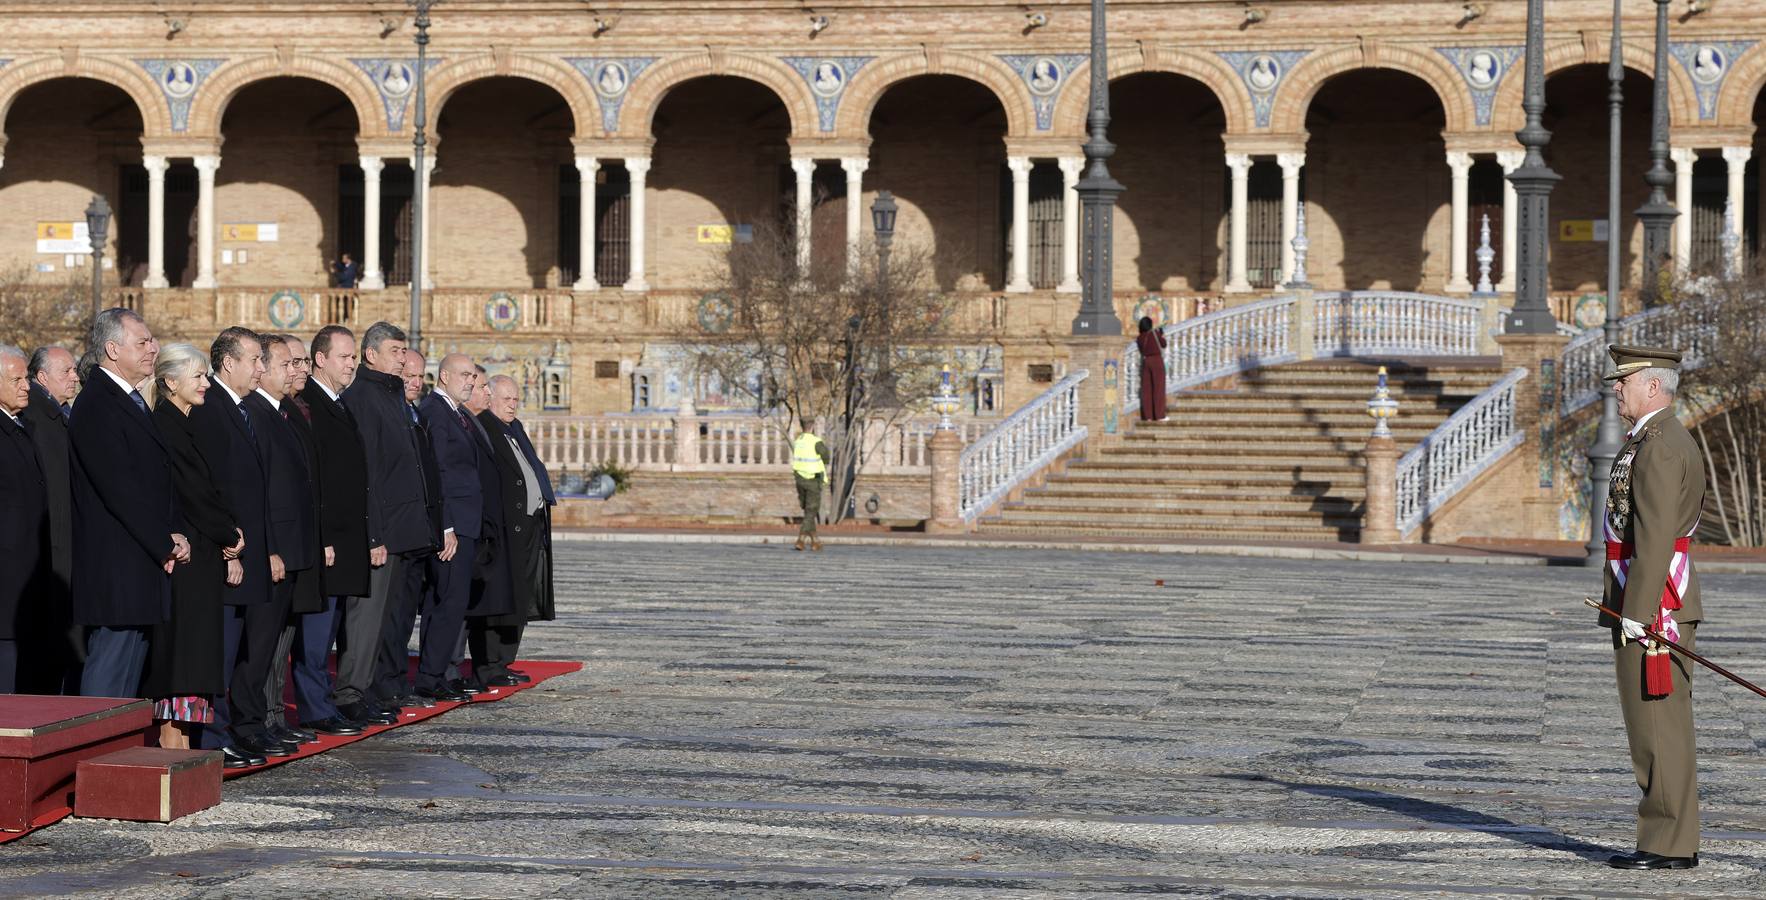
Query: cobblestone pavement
{"x":930,"y":723}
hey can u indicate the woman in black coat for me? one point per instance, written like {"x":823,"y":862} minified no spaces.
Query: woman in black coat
{"x":184,"y":661}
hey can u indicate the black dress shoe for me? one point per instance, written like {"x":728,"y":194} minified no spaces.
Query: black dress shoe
{"x":1642,"y":860}
{"x":300,"y":734}
{"x":504,"y":681}
{"x":441,"y":695}
{"x":333,"y":725}
{"x":234,"y":758}
{"x":369,"y":715}
{"x":417,"y":699}
{"x":467,"y":686}
{"x":518,"y":676}
{"x":261,"y":745}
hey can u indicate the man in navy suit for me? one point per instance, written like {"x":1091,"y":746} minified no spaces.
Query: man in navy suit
{"x":458,"y":455}
{"x":24,"y":518}
{"x":400,"y":536}
{"x":294,"y":528}
{"x":125,"y":535}
{"x":228,"y":439}
{"x":50,"y":657}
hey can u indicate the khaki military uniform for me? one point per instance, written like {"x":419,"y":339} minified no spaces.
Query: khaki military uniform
{"x":1658,"y":488}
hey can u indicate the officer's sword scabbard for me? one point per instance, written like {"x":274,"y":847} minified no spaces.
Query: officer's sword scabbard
{"x":1658,"y":636}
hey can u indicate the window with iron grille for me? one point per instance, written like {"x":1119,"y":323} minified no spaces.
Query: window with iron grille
{"x":1263,"y":221}
{"x":1046,"y":210}
{"x":613,"y":188}
{"x":1710,"y":189}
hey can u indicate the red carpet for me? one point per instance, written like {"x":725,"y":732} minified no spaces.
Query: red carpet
{"x":539,"y":670}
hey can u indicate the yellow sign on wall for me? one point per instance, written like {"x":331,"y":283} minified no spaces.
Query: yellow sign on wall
{"x":63,"y":238}
{"x":1582,"y":230}
{"x":250,"y":233}
{"x":716,"y":234}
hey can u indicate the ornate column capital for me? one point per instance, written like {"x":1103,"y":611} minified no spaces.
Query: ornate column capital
{"x":1071,"y":167}
{"x":854,"y":166}
{"x":1020,"y":166}
{"x":1736,"y":156}
{"x":587,"y":165}
{"x":1460,"y":162}
{"x":1683,"y":156}
{"x":637,"y":165}
{"x":1510,"y":160}
{"x":155,"y":165}
{"x":1291,"y":163}
{"x":206,"y":165}
{"x":371,"y":167}
{"x":1240,"y":163}
{"x":803,"y":166}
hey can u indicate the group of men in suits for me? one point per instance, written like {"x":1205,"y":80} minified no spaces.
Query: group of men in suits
{"x":359,"y":509}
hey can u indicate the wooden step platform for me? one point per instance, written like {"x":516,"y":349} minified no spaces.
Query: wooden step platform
{"x":44,"y":739}
{"x":147,"y":784}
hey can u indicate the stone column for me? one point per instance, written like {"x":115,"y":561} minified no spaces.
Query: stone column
{"x":1379,"y":519}
{"x":855,"y":167}
{"x":1537,"y":515}
{"x":205,"y":221}
{"x":372,"y":278}
{"x":1239,"y":281}
{"x":1019,"y":283}
{"x":1071,"y":166}
{"x":1291,"y":164}
{"x":423,"y":185}
{"x":946,"y":450}
{"x":805,"y":170}
{"x":686,"y":426}
{"x":156,"y":222}
{"x":586,"y":167}
{"x":1684,"y":158}
{"x":1461,"y":164}
{"x":637,"y":167}
{"x":1510,"y":160}
{"x":1736,"y":158}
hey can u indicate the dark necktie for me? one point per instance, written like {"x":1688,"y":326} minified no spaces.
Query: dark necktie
{"x":413,"y":411}
{"x":67,"y":412}
{"x":142,"y":403}
{"x":244,"y":414}
{"x":463,"y":422}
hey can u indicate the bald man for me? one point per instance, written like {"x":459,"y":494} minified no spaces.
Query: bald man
{"x":50,"y":658}
{"x":458,"y":449}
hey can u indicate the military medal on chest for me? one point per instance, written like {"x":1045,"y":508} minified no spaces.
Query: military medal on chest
{"x":1619,"y":492}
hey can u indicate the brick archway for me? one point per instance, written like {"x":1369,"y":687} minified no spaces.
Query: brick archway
{"x":1683,"y":108}
{"x":450,"y":76}
{"x":156,"y":121}
{"x":216,"y":94}
{"x":1294,"y":96}
{"x":875,"y":80}
{"x":638,"y":112}
{"x":1741,"y":90}
{"x":1211,"y":71}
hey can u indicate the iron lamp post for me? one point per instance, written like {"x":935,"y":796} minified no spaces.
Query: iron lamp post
{"x":1658,"y":214}
{"x":1609,"y":438}
{"x":97,"y":229}
{"x":1533,"y":182}
{"x":419,"y":141}
{"x":883,"y":211}
{"x":1097,"y":198}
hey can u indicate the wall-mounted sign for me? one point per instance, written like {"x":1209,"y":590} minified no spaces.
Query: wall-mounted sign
{"x":1582,"y":231}
{"x":501,"y":312}
{"x":63,"y":237}
{"x":252,"y":233}
{"x":287,"y":309}
{"x":716,"y":234}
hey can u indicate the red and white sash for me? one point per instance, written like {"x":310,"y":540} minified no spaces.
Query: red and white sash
{"x":1658,"y":673}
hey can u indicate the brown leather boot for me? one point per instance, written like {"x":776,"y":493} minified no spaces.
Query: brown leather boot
{"x":815,"y":543}
{"x":799,"y":543}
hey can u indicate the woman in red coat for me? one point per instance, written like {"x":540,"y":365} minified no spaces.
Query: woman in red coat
{"x":1151,"y":343}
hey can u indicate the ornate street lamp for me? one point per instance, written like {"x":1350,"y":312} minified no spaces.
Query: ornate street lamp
{"x":1097,"y":198}
{"x":1658,"y":214}
{"x":97,"y":229}
{"x":883,"y":211}
{"x":1533,"y":182}
{"x":418,"y":141}
{"x":1611,"y":436}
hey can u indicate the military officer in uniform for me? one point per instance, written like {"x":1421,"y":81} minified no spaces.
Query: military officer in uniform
{"x":1658,"y":488}
{"x":809,"y":468}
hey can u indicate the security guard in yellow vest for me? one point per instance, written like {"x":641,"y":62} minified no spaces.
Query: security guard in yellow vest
{"x":809,"y":465}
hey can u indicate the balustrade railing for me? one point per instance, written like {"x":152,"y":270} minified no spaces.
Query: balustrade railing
{"x":1215,"y":345}
{"x":1685,"y":325}
{"x":1457,"y":451}
{"x":721,"y":442}
{"x":1028,"y":441}
{"x":1384,"y":323}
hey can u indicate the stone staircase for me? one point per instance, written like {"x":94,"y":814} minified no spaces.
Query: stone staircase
{"x":1275,"y":457}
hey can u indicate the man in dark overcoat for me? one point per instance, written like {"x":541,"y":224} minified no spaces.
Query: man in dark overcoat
{"x":49,"y":660}
{"x":24,"y":516}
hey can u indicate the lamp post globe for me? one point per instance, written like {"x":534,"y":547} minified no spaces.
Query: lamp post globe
{"x":97,"y":229}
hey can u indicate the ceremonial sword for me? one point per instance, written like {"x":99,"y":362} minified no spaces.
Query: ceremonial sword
{"x":1657,"y":636}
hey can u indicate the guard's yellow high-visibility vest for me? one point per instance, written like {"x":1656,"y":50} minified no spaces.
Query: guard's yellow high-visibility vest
{"x":805,"y":462}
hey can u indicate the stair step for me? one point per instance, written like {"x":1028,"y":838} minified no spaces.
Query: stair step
{"x":1253,"y":428}
{"x":1197,"y":519}
{"x":1180,"y":505}
{"x":1239,"y":533}
{"x":1308,"y":466}
{"x":1242,"y":480}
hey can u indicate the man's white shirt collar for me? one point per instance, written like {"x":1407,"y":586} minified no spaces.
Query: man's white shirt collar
{"x":1644,"y":418}
{"x":229,"y":391}
{"x":127,"y":387}
{"x":275,"y":404}
{"x":451,"y":402}
{"x":327,"y":389}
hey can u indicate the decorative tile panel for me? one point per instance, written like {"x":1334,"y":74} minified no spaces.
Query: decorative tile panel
{"x":827,"y":77}
{"x":1483,"y":69}
{"x":611,"y":80}
{"x":1262,"y":72}
{"x":178,"y":80}
{"x":1708,"y":63}
{"x":395,"y":80}
{"x":1045,"y":75}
